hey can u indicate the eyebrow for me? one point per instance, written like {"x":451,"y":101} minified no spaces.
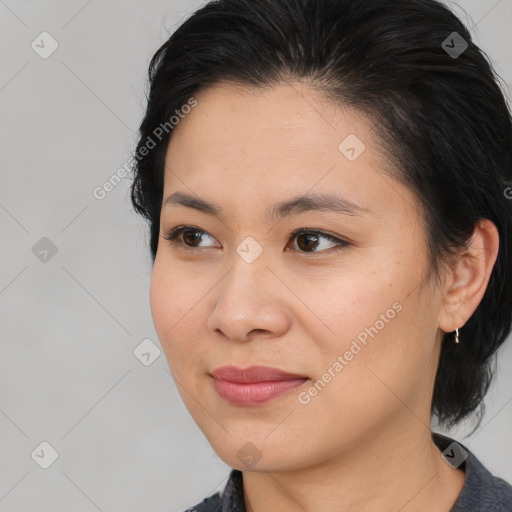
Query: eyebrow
{"x":312,"y":202}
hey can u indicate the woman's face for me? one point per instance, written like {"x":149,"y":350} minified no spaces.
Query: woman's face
{"x":353,"y":318}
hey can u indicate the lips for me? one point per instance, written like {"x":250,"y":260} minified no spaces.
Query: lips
{"x":253,"y":374}
{"x":254,"y":385}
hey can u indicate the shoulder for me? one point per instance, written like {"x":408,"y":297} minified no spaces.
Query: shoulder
{"x":485,"y":492}
{"x":211,"y":504}
{"x":230,"y":499}
{"x":482,"y":491}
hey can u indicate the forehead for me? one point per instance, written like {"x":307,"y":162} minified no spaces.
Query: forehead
{"x":289,"y":126}
{"x":289,"y":116}
{"x":274,"y":143}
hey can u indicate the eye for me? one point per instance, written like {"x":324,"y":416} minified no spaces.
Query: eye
{"x":310,"y":239}
{"x":174,"y":236}
{"x":189,"y":238}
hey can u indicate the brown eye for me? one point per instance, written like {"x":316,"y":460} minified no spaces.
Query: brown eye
{"x":309,"y":240}
{"x":187,"y":236}
{"x":191,"y":237}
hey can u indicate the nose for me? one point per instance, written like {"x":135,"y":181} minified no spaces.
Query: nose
{"x":250,"y":303}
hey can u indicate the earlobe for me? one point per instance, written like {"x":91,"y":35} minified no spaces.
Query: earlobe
{"x":470,"y":276}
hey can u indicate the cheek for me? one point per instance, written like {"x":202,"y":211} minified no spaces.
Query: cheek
{"x":160,"y":299}
{"x":171,"y":302}
{"x":340,"y":309}
{"x":370,"y":318}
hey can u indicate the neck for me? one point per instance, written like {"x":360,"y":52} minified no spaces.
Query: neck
{"x":393,"y":469}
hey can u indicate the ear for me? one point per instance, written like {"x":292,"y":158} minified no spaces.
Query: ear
{"x":468,"y":278}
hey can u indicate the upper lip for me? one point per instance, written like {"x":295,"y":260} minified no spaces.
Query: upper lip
{"x":253,"y":374}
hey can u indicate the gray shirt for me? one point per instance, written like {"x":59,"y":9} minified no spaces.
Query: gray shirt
{"x":482,"y":492}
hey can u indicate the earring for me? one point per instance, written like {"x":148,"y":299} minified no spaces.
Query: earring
{"x":456,"y":335}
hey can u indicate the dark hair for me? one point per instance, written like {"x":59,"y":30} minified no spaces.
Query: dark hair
{"x":441,"y":118}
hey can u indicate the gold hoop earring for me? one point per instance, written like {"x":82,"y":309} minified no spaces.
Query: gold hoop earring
{"x":456,"y":335}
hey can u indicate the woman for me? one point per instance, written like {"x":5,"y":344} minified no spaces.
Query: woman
{"x":345,"y":169}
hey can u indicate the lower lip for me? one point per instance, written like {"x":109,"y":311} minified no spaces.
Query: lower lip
{"x":255,"y":393}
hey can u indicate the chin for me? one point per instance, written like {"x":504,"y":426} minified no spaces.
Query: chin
{"x":247,"y":453}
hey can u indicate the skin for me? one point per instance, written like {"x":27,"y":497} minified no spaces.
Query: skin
{"x":364,"y":441}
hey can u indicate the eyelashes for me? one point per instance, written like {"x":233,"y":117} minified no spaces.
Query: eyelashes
{"x":314,"y":236}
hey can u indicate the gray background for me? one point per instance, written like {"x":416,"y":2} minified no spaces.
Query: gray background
{"x":70,"y":324}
